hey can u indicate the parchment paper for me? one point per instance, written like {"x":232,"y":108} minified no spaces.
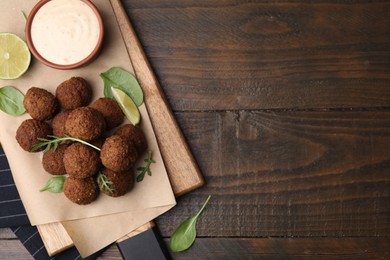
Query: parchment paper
{"x":100,"y":223}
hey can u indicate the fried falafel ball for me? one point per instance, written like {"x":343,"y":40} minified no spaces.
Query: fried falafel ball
{"x":110,"y":110}
{"x":118,"y":154}
{"x":58,"y":123}
{"x":29,"y":131}
{"x":40,"y":104}
{"x":85,"y":123}
{"x":81,"y":191}
{"x":81,"y":161}
{"x":135,"y":135}
{"x":119,"y":182}
{"x":73,"y":93}
{"x":52,"y":161}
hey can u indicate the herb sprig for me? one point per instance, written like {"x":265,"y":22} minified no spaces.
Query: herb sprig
{"x":104,"y":183}
{"x":145,"y":169}
{"x":55,"y":141}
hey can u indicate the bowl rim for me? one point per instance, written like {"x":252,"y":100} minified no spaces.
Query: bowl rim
{"x":80,"y":63}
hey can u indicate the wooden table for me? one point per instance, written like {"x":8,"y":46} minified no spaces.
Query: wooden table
{"x":286,"y":107}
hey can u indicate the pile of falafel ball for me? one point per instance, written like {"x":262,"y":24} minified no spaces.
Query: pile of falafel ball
{"x":69,"y":113}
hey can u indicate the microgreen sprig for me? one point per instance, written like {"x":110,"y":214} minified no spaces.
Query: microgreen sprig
{"x":55,"y":141}
{"x":145,"y":169}
{"x":104,"y":183}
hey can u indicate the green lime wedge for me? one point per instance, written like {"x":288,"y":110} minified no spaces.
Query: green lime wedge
{"x":127,"y":105}
{"x":15,"y":56}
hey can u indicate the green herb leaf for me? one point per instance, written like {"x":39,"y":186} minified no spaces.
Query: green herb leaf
{"x":11,"y":101}
{"x":185,"y":234}
{"x":123,"y":80}
{"x":104,"y":183}
{"x":55,"y":184}
{"x":145,"y":169}
{"x":55,"y":141}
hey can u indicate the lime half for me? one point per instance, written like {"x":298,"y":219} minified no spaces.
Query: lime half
{"x":15,"y":56}
{"x":127,"y":105}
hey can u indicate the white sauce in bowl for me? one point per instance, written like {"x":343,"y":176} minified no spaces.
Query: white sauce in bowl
{"x":65,"y":31}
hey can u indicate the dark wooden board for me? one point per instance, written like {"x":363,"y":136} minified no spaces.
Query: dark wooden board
{"x":279,"y":248}
{"x":217,"y":55}
{"x":247,"y":248}
{"x":289,"y":174}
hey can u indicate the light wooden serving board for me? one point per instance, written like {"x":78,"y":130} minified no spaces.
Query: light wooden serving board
{"x":183,"y":173}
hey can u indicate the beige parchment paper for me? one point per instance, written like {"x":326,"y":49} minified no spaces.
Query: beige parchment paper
{"x":100,"y":223}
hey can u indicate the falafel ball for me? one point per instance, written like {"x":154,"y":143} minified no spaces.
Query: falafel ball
{"x":81,"y":191}
{"x":118,"y":154}
{"x":52,"y":161}
{"x":133,"y":134}
{"x":85,"y":123}
{"x":110,"y":110}
{"x":58,"y":123}
{"x":73,"y":93}
{"x":119,"y":182}
{"x":29,"y":131}
{"x":81,"y":161}
{"x":40,"y":104}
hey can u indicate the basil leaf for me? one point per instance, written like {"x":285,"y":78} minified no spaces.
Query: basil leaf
{"x":55,"y":184}
{"x":185,"y":234}
{"x":11,"y":101}
{"x":123,"y":80}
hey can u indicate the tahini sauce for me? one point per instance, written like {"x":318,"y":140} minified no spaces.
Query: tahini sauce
{"x":65,"y":31}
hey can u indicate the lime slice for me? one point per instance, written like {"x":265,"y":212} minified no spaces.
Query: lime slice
{"x":127,"y":105}
{"x":15,"y":56}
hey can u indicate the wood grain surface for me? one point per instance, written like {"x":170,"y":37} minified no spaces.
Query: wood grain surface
{"x":229,"y":54}
{"x":249,"y":248}
{"x":289,"y":174}
{"x":285,"y":106}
